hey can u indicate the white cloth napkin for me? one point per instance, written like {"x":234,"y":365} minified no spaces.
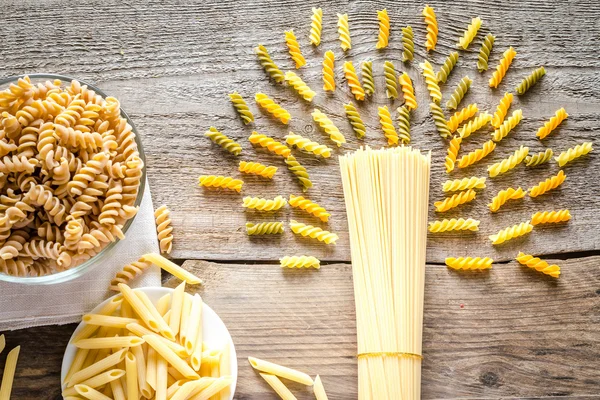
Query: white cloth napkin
{"x":24,"y":306}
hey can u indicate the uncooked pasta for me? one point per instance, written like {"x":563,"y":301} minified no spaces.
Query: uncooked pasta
{"x":294,"y":48}
{"x":552,"y":123}
{"x":539,"y":158}
{"x":224,"y":182}
{"x":455,"y":200}
{"x":447,"y":67}
{"x":387,"y":125}
{"x":344,"y":31}
{"x":431,"y":81}
{"x":264,"y":228}
{"x":551,"y":183}
{"x":309,"y":207}
{"x":484,"y":52}
{"x":453,"y":148}
{"x":222,"y":140}
{"x":530,"y":80}
{"x":300,"y":262}
{"x":387,"y":195}
{"x":301,"y":173}
{"x":273,"y":108}
{"x":461,"y":116}
{"x":538,"y":264}
{"x":432,"y":27}
{"x":307,"y":145}
{"x":328,"y":74}
{"x":476,"y":155}
{"x":353,"y":116}
{"x":459,"y":92}
{"x":502,"y":110}
{"x":327,"y":125}
{"x":404,"y":124}
{"x":241,"y":107}
{"x":470,"y":33}
{"x":508,"y":163}
{"x":505,"y":61}
{"x":463,"y":184}
{"x":391,"y":86}
{"x":439,"y":120}
{"x":270,"y":144}
{"x":408,"y":91}
{"x":511,"y":232}
{"x":408,"y":44}
{"x":503,"y":196}
{"x":508,"y":125}
{"x":474,"y":125}
{"x":299,"y":86}
{"x":313,"y":232}
{"x":573,"y":153}
{"x":384,"y":29}
{"x":260,"y":204}
{"x":268,"y":65}
{"x":454,"y":224}
{"x":368,"y":82}
{"x":550,"y":217}
{"x":353,"y":82}
{"x":469,"y":263}
{"x":255,"y":168}
{"x":316,"y":26}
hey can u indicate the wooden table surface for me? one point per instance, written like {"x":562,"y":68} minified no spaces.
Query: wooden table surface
{"x":506,"y":333}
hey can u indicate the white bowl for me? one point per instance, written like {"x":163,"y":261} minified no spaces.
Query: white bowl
{"x":214,"y":332}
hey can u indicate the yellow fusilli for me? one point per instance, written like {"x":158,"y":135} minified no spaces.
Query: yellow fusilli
{"x":484,"y":52}
{"x":222,"y":140}
{"x":367,"y":77}
{"x":259,"y":169}
{"x":455,"y":200}
{"x":447,"y":67}
{"x":469,"y":263}
{"x":294,"y":48}
{"x":264,"y":228}
{"x":224,"y":182}
{"x":241,"y":107}
{"x":354,"y":117}
{"x":551,"y":183}
{"x":164,"y":229}
{"x":454,"y":224}
{"x":461,"y":116}
{"x":431,"y":80}
{"x":476,"y":155}
{"x":539,"y":158}
{"x":300,"y":262}
{"x":502,"y":110}
{"x":328,"y":74}
{"x":272,"y":108}
{"x":508,"y":163}
{"x":261,"y":204}
{"x":507,"y":58}
{"x":344,"y":31}
{"x":301,"y":173}
{"x":391,"y":86}
{"x":387,"y":125}
{"x":410,"y":101}
{"x":270,"y":144}
{"x":408,"y":44}
{"x":552,"y":123}
{"x":550,"y":217}
{"x":470,"y":33}
{"x":463,"y":184}
{"x":384,"y":29}
{"x":299,"y":86}
{"x":474,"y":125}
{"x":325,"y":123}
{"x":503,"y":196}
{"x":310,"y":207}
{"x":268,"y":65}
{"x":432,"y":27}
{"x":508,"y":125}
{"x":573,"y":153}
{"x":453,"y":148}
{"x":511,"y":232}
{"x":353,"y":82}
{"x":313,"y":232}
{"x":538,"y":264}
{"x":316,"y":26}
{"x":307,"y":145}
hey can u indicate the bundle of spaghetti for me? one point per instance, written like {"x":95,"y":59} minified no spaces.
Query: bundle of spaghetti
{"x":294,"y":48}
{"x":508,"y":125}
{"x":299,"y":86}
{"x":386,"y":193}
{"x":408,"y":91}
{"x":470,"y":33}
{"x":461,"y":116}
{"x":502,"y":110}
{"x":573,"y":153}
{"x":384,"y":29}
{"x":552,"y":123}
{"x":550,"y":217}
{"x":454,"y":224}
{"x":366,"y":69}
{"x":328,"y":74}
{"x":507,"y":58}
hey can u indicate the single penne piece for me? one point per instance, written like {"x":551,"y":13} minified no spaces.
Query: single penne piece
{"x":225,"y":369}
{"x":194,"y":324}
{"x":141,"y":331}
{"x":173,"y":268}
{"x":151,"y":361}
{"x":126,"y":310}
{"x":214,"y":388}
{"x":97,"y":368}
{"x":163,"y":327}
{"x":175,"y":374}
{"x":175,"y":386}
{"x":102,"y":353}
{"x":281,"y":371}
{"x":176,"y":305}
{"x":162,"y":305}
{"x":196,"y":358}
{"x":172,"y":358}
{"x":8,"y":376}
{"x":209,"y":357}
{"x":117,"y":342}
{"x":90,"y":359}
{"x":185,"y":317}
{"x":161,"y":378}
{"x":140,"y":360}
{"x":131,"y":376}
{"x":278,"y":386}
{"x":97,"y":381}
{"x":108,"y":320}
{"x":138,"y":306}
{"x":117,"y":390}
{"x":167,"y":318}
{"x":319,"y":389}
{"x":108,"y":309}
{"x":190,"y":388}
{"x":77,"y":363}
{"x":90,"y":393}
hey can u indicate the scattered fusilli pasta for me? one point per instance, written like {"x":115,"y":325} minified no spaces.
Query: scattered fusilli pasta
{"x":270,"y":144}
{"x":299,"y":86}
{"x":551,"y":183}
{"x":454,"y":224}
{"x":268,"y":65}
{"x":301,"y":173}
{"x":539,"y":158}
{"x":391,"y":86}
{"x":354,"y":117}
{"x":476,"y":155}
{"x":387,"y":125}
{"x":538,"y":264}
{"x":455,"y":200}
{"x":508,"y":163}
{"x":530,"y":80}
{"x":264,"y":228}
{"x":431,"y":80}
{"x":470,"y":33}
{"x":404,"y":124}
{"x":259,"y":169}
{"x":384,"y":29}
{"x":508,"y":125}
{"x":573,"y":153}
{"x":484,"y":52}
{"x":408,"y":44}
{"x":294,"y":48}
{"x":300,"y":262}
{"x":129,"y":273}
{"x":502,"y":110}
{"x":507,"y":58}
{"x":241,"y":107}
{"x":328,"y":74}
{"x":474,"y":125}
{"x":550,"y":217}
{"x":463,"y":184}
{"x":307,"y":145}
{"x":469,"y":263}
{"x":310,"y":207}
{"x":316,"y":26}
{"x":313,"y":232}
{"x":224,"y":182}
{"x":459,"y":92}
{"x":461,"y":116}
{"x":223,"y":141}
{"x":164,"y":229}
{"x":367,"y":77}
{"x":344,"y":31}
{"x":408,"y":91}
{"x":353,"y":82}
{"x":447,"y":67}
{"x":440,"y":120}
{"x":453,"y":148}
{"x":325,"y":123}
{"x":432,"y":27}
{"x":552,"y":123}
{"x":273,"y":108}
{"x":261,"y":204}
{"x":511,"y":232}
{"x":503,"y":196}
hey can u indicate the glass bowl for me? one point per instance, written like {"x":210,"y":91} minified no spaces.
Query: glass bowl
{"x":86,"y":266}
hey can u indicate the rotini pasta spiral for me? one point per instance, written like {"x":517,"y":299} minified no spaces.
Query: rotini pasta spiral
{"x":573,"y":153}
{"x":260,"y":204}
{"x":408,"y":44}
{"x":474,"y":125}
{"x":530,"y":80}
{"x":162,"y":215}
{"x":431,"y":80}
{"x":453,"y":148}
{"x":300,"y":262}
{"x":469,"y":263}
{"x":325,"y":123}
{"x":454,"y":224}
{"x":511,"y":232}
{"x":313,"y":232}
{"x":273,"y":108}
{"x":264,"y":228}
{"x":384,"y":29}
{"x":551,"y":183}
{"x":404,"y":124}
{"x":550,"y":217}
{"x":460,"y":116}
{"x":455,"y":200}
{"x":15,"y":163}
{"x":87,"y":174}
{"x":41,"y":249}
{"x":14,"y":245}
{"x":316,"y":26}
{"x":552,"y":123}
{"x":353,"y":82}
{"x":129,"y":273}
{"x":299,"y":86}
{"x":305,"y":144}
{"x":440,"y":120}
{"x":432,"y":27}
{"x":112,"y":204}
{"x":354,"y":117}
{"x":268,"y":65}
{"x":459,"y":93}
{"x":301,"y":173}
{"x":387,"y":125}
{"x":344,"y":32}
{"x":538,"y":264}
{"x":508,"y":163}
{"x":539,"y":158}
{"x":367,"y":77}
{"x":447,"y":67}
{"x":477,"y":155}
{"x":508,"y":125}
{"x":463,"y":184}
{"x":41,"y":195}
{"x":502,"y":110}
{"x":294,"y":48}
{"x":484,"y":52}
{"x":503,"y":196}
{"x":241,"y":107}
{"x":270,"y":144}
{"x":408,"y":91}
{"x":222,"y":140}
{"x":224,"y":182}
{"x":507,"y":58}
{"x":470,"y":33}
{"x":310,"y":207}
{"x":255,"y":168}
{"x":328,"y":74}
{"x":391,"y":85}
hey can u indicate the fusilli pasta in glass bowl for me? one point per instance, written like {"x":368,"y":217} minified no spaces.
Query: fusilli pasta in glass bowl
{"x":72,"y":177}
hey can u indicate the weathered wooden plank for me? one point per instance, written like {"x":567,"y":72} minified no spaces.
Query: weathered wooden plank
{"x":506,"y":333}
{"x":172,"y":66}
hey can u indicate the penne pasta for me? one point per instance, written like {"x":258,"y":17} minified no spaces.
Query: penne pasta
{"x":278,"y":386}
{"x":185,"y":316}
{"x":214,"y":388}
{"x":9,"y":373}
{"x":162,"y":305}
{"x":172,"y":268}
{"x":117,"y":342}
{"x":280,"y":371}
{"x":176,"y":306}
{"x":89,"y":393}
{"x":140,"y":362}
{"x":139,"y":330}
{"x":171,"y":390}
{"x":132,"y":376}
{"x":97,"y":368}
{"x":161,"y":378}
{"x":108,"y":320}
{"x":108,"y":309}
{"x":127,"y":311}
{"x":225,"y":369}
{"x":77,"y":363}
{"x":194,"y":324}
{"x":117,"y":390}
{"x":96,"y":381}
{"x":188,"y":388}
{"x":172,"y":358}
{"x":319,"y":389}
{"x":151,"y":368}
{"x":163,"y":327}
{"x":138,"y":306}
{"x":175,"y":374}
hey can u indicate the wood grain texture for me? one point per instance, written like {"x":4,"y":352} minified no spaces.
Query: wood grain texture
{"x":172,"y":65}
{"x":506,"y":333}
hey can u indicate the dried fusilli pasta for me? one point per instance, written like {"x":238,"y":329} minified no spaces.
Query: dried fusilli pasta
{"x":344,"y":31}
{"x":129,"y":273}
{"x":261,"y":204}
{"x":474,"y":125}
{"x":463,"y":184}
{"x":511,"y":232}
{"x":459,"y":92}
{"x":354,"y":117}
{"x":272,"y":108}
{"x":307,"y":145}
{"x":224,"y":182}
{"x":551,"y":183}
{"x":328,"y":74}
{"x":455,"y":200}
{"x":255,"y":168}
{"x":353,"y":82}
{"x":453,"y":148}
{"x":241,"y":107}
{"x":432,"y":27}
{"x":410,"y":101}
{"x":431,"y":80}
{"x":476,"y":155}
{"x":313,"y":232}
{"x":573,"y":153}
{"x":164,"y":229}
{"x":299,"y":86}
{"x":310,"y":207}
{"x":223,"y":141}
{"x":538,"y":264}
{"x":454,"y":224}
{"x":552,"y":123}
{"x":469,"y":263}
{"x":404,"y":124}
{"x":368,"y":82}
{"x":325,"y":123}
{"x":268,"y":65}
{"x":294,"y":48}
{"x":316,"y":26}
{"x":470,"y":33}
{"x":270,"y":144}
{"x":440,"y":120}
{"x":300,"y":262}
{"x":447,"y":67}
{"x":508,"y":163}
{"x":461,"y":116}
{"x":264,"y":228}
{"x":391,"y":86}
{"x":539,"y":158}
{"x":384,"y":29}
{"x":502,"y":110}
{"x":507,"y":58}
{"x":387,"y":125}
{"x":503,"y":196}
{"x":550,"y":217}
{"x":530,"y":80}
{"x":484,"y":52}
{"x":507,"y":126}
{"x":408,"y":44}
{"x":297,"y":169}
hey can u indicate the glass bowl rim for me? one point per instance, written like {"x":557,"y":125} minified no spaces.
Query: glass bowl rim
{"x":84,"y":267}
